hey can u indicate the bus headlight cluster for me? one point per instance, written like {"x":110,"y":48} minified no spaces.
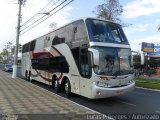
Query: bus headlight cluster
{"x":102,"y":84}
{"x":131,"y":81}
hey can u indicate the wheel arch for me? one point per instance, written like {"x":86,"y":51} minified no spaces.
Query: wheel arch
{"x":54,"y":77}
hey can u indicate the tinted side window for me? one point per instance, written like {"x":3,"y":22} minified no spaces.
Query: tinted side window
{"x":59,"y":36}
{"x":32,"y":45}
{"x":55,"y":64}
{"x":57,"y":40}
{"x":25,"y":47}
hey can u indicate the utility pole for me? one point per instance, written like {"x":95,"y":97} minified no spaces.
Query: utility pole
{"x":14,"y":74}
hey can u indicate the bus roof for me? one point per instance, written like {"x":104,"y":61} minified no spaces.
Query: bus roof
{"x":84,"y":19}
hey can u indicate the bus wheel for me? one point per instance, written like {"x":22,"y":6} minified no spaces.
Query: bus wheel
{"x":53,"y":84}
{"x":68,"y":88}
{"x":26,"y":75}
{"x":57,"y":86}
{"x":29,"y":76}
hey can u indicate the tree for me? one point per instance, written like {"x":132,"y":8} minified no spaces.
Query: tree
{"x":109,"y":10}
{"x":4,"y":52}
{"x":137,"y":59}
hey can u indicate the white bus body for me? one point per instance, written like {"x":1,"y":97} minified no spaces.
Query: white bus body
{"x":88,"y":57}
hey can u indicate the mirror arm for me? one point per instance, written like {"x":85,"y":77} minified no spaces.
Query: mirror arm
{"x":95,"y":56}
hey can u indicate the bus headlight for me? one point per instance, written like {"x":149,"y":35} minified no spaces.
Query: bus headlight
{"x":102,"y":84}
{"x":131,"y":81}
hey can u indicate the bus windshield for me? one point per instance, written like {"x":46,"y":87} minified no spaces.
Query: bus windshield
{"x":114,"y":61}
{"x":103,"y":31}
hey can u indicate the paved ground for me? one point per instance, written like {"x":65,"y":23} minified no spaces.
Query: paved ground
{"x":20,"y":97}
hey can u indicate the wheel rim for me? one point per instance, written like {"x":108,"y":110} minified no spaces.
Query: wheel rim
{"x":66,"y":87}
{"x":56,"y":84}
{"x":26,"y":75}
{"x":30,"y":78}
{"x":53,"y":84}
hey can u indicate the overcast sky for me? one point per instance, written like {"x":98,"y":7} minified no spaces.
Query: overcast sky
{"x":144,"y":15}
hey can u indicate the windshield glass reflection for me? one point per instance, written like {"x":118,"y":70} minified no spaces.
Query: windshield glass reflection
{"x":102,"y":31}
{"x":113,"y":61}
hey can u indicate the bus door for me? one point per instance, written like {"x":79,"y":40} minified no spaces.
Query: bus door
{"x":75,"y":73}
{"x":85,"y":71}
{"x":75,"y":83}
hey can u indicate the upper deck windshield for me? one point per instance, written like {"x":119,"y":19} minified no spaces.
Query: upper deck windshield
{"x":103,"y":31}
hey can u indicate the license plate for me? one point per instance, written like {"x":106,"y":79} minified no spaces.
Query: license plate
{"x":120,"y":92}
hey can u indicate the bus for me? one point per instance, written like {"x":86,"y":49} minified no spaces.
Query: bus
{"x":89,"y":57}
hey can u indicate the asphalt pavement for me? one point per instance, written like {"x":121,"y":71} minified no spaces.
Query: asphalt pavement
{"x":140,"y":101}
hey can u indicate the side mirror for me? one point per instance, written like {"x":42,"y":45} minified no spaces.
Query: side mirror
{"x":131,"y":59}
{"x":95,"y":56}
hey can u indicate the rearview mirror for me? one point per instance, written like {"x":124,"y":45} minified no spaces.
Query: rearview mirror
{"x":95,"y":56}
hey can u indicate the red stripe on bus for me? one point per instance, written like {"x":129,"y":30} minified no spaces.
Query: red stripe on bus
{"x":47,"y":79}
{"x":56,"y":50}
{"x":60,"y":76}
{"x":36,"y":55}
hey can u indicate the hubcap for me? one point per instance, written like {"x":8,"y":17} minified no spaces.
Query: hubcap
{"x":56,"y":84}
{"x":66,"y":87}
{"x":30,"y":78}
{"x":26,"y":75}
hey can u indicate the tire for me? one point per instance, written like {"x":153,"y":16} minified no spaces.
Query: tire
{"x":53,"y":83}
{"x":57,"y":86}
{"x":68,"y":88}
{"x":26,"y":75}
{"x":29,"y":77}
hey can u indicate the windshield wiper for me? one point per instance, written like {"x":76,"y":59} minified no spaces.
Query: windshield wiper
{"x":116,"y":73}
{"x":105,"y":73}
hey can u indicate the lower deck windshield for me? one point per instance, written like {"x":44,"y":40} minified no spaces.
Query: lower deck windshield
{"x":113,"y":61}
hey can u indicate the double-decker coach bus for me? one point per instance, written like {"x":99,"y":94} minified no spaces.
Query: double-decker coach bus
{"x":88,"y":57}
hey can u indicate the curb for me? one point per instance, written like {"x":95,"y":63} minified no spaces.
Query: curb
{"x":148,"y":89}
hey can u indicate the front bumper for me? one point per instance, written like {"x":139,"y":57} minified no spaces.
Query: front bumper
{"x":102,"y":92}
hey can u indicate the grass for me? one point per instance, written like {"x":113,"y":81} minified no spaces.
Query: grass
{"x":147,"y":83}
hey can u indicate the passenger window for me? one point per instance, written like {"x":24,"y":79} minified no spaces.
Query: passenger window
{"x":75,"y":53}
{"x":58,"y":40}
{"x":83,"y":61}
{"x":85,"y":68}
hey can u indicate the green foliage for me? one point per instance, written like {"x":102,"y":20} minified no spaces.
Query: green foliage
{"x":137,"y":58}
{"x":109,"y":10}
{"x":146,"y":83}
{"x":4,"y":52}
{"x":137,"y":61}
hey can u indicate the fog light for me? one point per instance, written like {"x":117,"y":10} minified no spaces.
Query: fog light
{"x":98,"y":93}
{"x":101,"y":84}
{"x":131,"y":81}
